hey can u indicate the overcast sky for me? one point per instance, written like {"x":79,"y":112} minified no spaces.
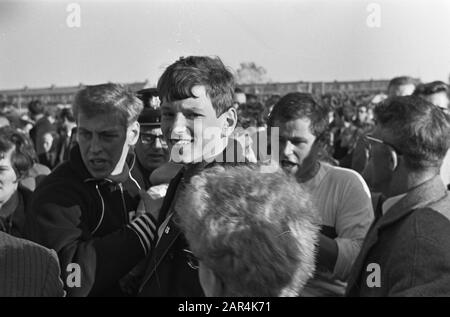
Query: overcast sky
{"x":294,"y":40}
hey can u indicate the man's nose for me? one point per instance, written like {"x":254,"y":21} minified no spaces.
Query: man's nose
{"x":157,"y":145}
{"x":286,"y":148}
{"x":95,"y":144}
{"x":179,"y":124}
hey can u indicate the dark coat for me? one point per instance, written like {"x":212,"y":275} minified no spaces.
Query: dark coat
{"x":28,"y":269}
{"x":15,"y":222}
{"x":87,"y":222}
{"x":411,"y":245}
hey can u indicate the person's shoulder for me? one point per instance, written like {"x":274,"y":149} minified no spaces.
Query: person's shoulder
{"x":428,"y":223}
{"x":341,"y":173}
{"x":25,"y":248}
{"x":39,"y":169}
{"x":345,"y":178}
{"x":62,"y":180}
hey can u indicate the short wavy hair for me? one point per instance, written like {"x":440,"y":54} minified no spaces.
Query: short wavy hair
{"x":298,"y":105}
{"x":108,"y":98}
{"x":418,"y":129}
{"x":256,"y":231}
{"x":23,"y":155}
{"x":178,"y":79}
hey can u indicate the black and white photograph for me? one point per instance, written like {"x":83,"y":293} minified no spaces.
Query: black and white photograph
{"x":224,"y":148}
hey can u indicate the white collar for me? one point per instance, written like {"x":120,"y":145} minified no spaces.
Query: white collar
{"x":391,"y":201}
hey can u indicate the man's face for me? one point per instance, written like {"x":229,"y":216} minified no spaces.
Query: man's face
{"x":191,"y":128}
{"x":439,"y":99}
{"x":151,"y":149}
{"x":298,"y":151}
{"x":378,"y":172}
{"x":401,"y":90}
{"x":47,"y":142}
{"x":8,"y":177}
{"x":104,"y":143}
{"x":362,"y":114}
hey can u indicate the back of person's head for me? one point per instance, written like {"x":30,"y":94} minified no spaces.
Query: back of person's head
{"x":299,"y":105}
{"x":255,"y":231}
{"x":67,"y":114}
{"x":178,"y":79}
{"x":23,"y":155}
{"x":36,"y":107}
{"x":431,"y":88}
{"x":417,"y":128}
{"x":108,"y":99}
{"x":401,"y":86}
{"x":435,"y":92}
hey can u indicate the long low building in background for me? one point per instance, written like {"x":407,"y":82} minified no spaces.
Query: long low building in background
{"x":53,"y":95}
{"x":64,"y":95}
{"x":317,"y":88}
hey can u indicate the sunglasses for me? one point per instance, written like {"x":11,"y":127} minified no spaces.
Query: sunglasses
{"x":369,"y":138}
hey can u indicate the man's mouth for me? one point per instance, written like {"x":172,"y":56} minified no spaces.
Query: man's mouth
{"x":97,"y":163}
{"x":179,"y":142}
{"x":288,"y":164}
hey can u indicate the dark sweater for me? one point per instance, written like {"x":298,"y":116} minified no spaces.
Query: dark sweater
{"x":87,"y":222}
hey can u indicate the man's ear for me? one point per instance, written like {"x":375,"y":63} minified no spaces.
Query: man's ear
{"x":393,"y":160}
{"x":230,"y":122}
{"x":133,"y":133}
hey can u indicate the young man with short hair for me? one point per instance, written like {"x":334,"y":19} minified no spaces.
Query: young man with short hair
{"x":85,"y":209}
{"x":198,"y":119}
{"x":407,"y":250}
{"x":341,"y":195}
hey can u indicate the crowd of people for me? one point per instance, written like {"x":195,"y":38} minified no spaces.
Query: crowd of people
{"x":193,"y":188}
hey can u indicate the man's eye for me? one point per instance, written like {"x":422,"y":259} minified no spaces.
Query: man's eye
{"x":167,"y":114}
{"x":109,"y":136}
{"x":193,"y":115}
{"x":297,"y":143}
{"x":84,"y":134}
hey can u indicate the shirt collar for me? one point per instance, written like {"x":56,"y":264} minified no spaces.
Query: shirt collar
{"x":391,"y":201}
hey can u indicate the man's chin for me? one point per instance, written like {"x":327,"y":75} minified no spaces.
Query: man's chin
{"x":186,"y":155}
{"x":292,"y":171}
{"x":99,"y":174}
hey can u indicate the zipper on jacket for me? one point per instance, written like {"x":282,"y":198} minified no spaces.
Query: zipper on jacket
{"x":127,"y":219}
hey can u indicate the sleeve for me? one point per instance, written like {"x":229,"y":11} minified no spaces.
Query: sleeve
{"x":102,"y":260}
{"x":421,"y":263}
{"x":353,"y":219}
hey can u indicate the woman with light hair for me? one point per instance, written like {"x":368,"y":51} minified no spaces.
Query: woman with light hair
{"x":253,"y":233}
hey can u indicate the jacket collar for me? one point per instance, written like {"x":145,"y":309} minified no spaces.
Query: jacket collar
{"x":429,"y":193}
{"x":423,"y":195}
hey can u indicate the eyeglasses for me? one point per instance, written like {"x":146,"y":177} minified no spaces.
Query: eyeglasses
{"x":147,"y":138}
{"x":192,"y":260}
{"x":371,"y":138}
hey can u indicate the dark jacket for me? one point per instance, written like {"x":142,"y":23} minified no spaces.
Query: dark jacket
{"x":14,"y":223}
{"x":49,"y":159}
{"x":28,"y":269}
{"x":411,"y":246}
{"x":87,"y":222}
{"x":167,"y":272}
